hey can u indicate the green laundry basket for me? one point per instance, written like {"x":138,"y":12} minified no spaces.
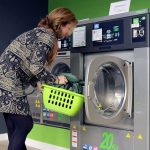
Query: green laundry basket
{"x":61,"y":100}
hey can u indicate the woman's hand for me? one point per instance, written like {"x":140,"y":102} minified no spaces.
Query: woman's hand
{"x":61,"y":80}
{"x":39,"y":86}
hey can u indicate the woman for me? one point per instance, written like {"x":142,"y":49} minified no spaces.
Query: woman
{"x":23,"y":61}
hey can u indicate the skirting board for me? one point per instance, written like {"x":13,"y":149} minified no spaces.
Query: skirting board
{"x":35,"y":144}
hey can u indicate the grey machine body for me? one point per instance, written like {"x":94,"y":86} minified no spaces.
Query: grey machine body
{"x":114,"y":63}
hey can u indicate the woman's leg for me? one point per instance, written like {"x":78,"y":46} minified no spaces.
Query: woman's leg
{"x":10,"y":125}
{"x":23,"y":125}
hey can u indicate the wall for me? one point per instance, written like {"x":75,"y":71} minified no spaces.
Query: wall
{"x":93,"y":9}
{"x":2,"y":124}
{"x":137,"y":5}
{"x":18,"y":16}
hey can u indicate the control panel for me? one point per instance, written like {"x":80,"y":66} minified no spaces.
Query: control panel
{"x":107,"y":33}
{"x":42,"y":115}
{"x":138,"y":28}
{"x":111,"y":35}
{"x":64,"y":44}
{"x":55,"y":119}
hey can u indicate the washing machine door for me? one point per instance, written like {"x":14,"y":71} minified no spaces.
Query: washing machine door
{"x":60,"y":65}
{"x":108,"y":90}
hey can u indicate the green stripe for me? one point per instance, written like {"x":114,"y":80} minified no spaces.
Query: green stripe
{"x":137,"y":5}
{"x":51,"y":135}
{"x":93,"y":9}
{"x":84,"y":8}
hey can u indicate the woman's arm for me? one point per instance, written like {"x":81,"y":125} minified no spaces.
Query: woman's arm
{"x":39,"y":57}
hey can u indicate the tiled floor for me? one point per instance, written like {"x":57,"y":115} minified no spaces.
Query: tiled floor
{"x":4,"y":144}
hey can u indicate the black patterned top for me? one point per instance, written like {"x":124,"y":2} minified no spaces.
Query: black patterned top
{"x":22,"y":60}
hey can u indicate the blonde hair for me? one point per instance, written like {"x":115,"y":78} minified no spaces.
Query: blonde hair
{"x":57,"y":18}
{"x":54,"y":20}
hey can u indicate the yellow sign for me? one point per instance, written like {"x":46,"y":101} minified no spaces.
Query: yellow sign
{"x":74,"y":126}
{"x":37,"y":103}
{"x":84,"y":128}
{"x":140,"y":137}
{"x":99,"y":106}
{"x":128,"y":136}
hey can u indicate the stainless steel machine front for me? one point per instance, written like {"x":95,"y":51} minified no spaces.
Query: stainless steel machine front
{"x":108,"y":89}
{"x":114,"y":63}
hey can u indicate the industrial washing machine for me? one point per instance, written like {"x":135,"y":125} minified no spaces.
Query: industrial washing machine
{"x":113,"y":60}
{"x":39,"y":113}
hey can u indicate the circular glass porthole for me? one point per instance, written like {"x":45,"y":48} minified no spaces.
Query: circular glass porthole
{"x":60,"y":68}
{"x":109,"y":89}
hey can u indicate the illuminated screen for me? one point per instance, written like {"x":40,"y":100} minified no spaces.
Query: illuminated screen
{"x":79,"y":36}
{"x":64,"y":43}
{"x":107,"y":33}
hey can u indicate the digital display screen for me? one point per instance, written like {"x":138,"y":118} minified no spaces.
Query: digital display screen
{"x":107,"y":33}
{"x":64,"y":44}
{"x":79,"y":36}
{"x":139,"y":28}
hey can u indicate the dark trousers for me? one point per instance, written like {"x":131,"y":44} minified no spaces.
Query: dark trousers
{"x":18,"y":127}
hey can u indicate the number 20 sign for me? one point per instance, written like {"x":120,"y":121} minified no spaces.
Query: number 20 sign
{"x":108,"y":142}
